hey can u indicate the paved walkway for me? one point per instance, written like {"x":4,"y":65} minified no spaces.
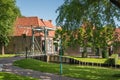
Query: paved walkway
{"x":8,"y":67}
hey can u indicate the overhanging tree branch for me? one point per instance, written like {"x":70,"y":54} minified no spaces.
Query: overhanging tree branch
{"x":116,"y":3}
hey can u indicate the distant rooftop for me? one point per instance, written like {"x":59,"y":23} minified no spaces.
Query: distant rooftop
{"x":23,"y":25}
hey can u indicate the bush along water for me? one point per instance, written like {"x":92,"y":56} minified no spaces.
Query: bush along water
{"x":113,"y":59}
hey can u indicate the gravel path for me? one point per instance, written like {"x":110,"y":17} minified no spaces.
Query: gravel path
{"x":8,"y":67}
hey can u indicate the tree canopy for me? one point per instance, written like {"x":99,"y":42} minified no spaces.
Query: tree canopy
{"x":116,"y":2}
{"x":73,"y":13}
{"x":89,"y":23}
{"x":9,"y":12}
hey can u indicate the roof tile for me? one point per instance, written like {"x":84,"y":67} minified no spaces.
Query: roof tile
{"x":23,"y":25}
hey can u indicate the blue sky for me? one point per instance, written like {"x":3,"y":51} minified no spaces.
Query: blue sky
{"x":44,"y":9}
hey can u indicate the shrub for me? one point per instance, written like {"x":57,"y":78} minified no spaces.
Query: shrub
{"x":113,"y":59}
{"x":104,"y":54}
{"x":115,"y":56}
{"x":110,"y":61}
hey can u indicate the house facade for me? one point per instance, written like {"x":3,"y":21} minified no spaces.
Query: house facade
{"x":22,"y":37}
{"x":23,"y":34}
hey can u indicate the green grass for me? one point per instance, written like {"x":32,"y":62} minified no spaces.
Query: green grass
{"x":7,"y":55}
{"x":118,"y":62}
{"x":93,"y":60}
{"x":10,"y":76}
{"x":81,"y":72}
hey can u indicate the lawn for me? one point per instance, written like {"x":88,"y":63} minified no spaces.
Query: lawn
{"x":93,"y":60}
{"x":7,"y":55}
{"x":81,"y":72}
{"x":10,"y":76}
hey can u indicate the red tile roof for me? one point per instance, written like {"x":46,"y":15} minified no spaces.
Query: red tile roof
{"x":29,"y":21}
{"x":23,"y":25}
{"x":48,"y":23}
{"x":117,"y":33}
{"x":117,"y":30}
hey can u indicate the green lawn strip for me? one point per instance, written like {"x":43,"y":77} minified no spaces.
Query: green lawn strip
{"x":92,"y":60}
{"x":37,"y":65}
{"x":118,"y":62}
{"x":81,"y":72}
{"x":10,"y":76}
{"x":7,"y":55}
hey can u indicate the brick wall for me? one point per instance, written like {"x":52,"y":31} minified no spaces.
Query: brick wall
{"x":18,"y":43}
{"x":72,"y":51}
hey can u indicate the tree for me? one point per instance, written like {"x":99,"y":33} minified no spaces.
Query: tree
{"x":116,"y":2}
{"x":106,"y":38}
{"x":100,"y":13}
{"x":73,"y":13}
{"x":63,"y":36}
{"x":9,"y":12}
{"x":85,"y":37}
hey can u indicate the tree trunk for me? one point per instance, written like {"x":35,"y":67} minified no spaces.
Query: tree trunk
{"x":3,"y":51}
{"x":105,"y":53}
{"x":84,"y":53}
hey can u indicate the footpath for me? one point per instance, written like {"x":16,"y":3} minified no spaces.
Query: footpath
{"x":8,"y":67}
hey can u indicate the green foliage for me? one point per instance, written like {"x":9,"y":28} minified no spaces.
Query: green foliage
{"x":9,"y":12}
{"x":107,"y":36}
{"x":113,"y":59}
{"x":104,"y":53}
{"x":100,"y":14}
{"x":115,"y":56}
{"x":116,"y":3}
{"x":62,"y":35}
{"x":92,"y":60}
{"x":85,"y":37}
{"x":80,"y":72}
{"x":73,"y":13}
{"x":110,"y":61}
{"x":7,"y":55}
{"x":89,"y":36}
{"x":116,"y":44}
{"x":10,"y":76}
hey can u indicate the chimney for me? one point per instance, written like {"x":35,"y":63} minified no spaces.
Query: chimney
{"x":50,"y":20}
{"x":41,"y":19}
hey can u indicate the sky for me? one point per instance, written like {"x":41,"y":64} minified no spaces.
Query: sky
{"x":44,"y":9}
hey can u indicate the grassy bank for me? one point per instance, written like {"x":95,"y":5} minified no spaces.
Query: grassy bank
{"x":7,"y":55}
{"x":81,"y":72}
{"x":93,"y":60}
{"x":9,"y":76}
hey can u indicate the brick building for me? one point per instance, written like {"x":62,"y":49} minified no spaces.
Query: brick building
{"x":22,"y":35}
